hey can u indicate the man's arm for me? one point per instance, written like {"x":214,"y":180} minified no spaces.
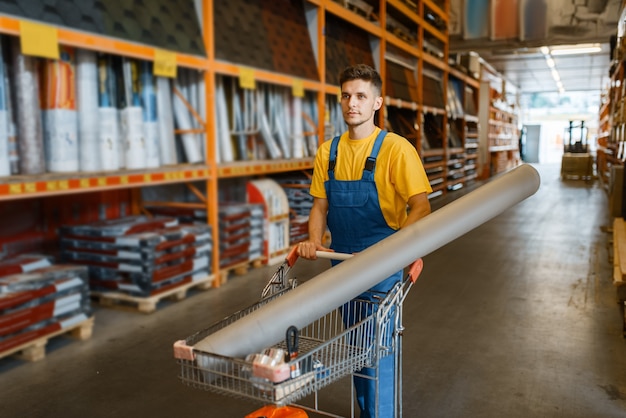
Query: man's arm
{"x":317,"y":228}
{"x":419,"y":206}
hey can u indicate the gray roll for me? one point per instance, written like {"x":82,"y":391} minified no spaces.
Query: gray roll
{"x":28,"y":111}
{"x":334,"y":287}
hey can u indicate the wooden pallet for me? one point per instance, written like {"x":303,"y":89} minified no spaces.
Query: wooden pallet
{"x":120,"y":300}
{"x":35,"y":350}
{"x":239,"y":269}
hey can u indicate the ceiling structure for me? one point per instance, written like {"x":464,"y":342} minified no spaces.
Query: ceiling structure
{"x":530,"y":71}
{"x":509,"y":36}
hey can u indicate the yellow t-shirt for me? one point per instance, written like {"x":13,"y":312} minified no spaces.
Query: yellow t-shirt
{"x":399,"y":171}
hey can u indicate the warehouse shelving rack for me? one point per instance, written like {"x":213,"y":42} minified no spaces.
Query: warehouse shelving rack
{"x":427,"y":44}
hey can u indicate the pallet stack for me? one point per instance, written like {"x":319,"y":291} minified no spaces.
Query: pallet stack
{"x":300,"y":204}
{"x":241,"y":233}
{"x":39,"y":300}
{"x":139,"y":256}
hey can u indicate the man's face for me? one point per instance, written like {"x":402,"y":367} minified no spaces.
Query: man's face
{"x":359,"y":102}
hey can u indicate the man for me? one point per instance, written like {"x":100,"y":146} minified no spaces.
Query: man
{"x":363,"y":182}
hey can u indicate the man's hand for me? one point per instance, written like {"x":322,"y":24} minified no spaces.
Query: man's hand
{"x":307,"y":250}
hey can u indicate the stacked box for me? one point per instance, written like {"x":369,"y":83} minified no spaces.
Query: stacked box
{"x":241,"y":233}
{"x":138,"y":255}
{"x":257,"y":221}
{"x":300,"y":204}
{"x":38,"y":298}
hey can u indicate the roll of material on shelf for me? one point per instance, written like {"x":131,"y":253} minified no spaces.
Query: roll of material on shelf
{"x":133,"y":137}
{"x":108,"y":121}
{"x":334,"y":287}
{"x":202,"y":109}
{"x":60,"y":119}
{"x":131,"y":118}
{"x":14,"y":157}
{"x":150,"y":115}
{"x":222,"y":128}
{"x":167,"y":144}
{"x":87,"y":107}
{"x":184,"y":123}
{"x":108,"y":138}
{"x":239,"y":125}
{"x":28,"y":112}
{"x":281,"y":124}
{"x":297,"y":132}
{"x":5,"y":163}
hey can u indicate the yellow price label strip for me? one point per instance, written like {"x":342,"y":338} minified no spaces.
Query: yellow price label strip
{"x":39,"y":40}
{"x":164,"y":63}
{"x":30,"y":188}
{"x":16,"y":189}
{"x":52,"y":186}
{"x":246,"y":78}
{"x":297,"y":88}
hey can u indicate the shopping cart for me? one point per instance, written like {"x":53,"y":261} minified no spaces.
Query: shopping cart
{"x":317,"y":355}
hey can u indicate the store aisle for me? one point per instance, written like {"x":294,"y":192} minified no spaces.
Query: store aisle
{"x":515,"y":319}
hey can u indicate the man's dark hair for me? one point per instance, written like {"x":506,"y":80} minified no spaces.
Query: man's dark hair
{"x":362,"y":72}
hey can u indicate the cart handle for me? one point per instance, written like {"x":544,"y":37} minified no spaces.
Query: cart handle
{"x":292,"y":257}
{"x":415,"y":270}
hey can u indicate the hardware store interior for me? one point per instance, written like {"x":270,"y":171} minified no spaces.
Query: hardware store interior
{"x":164,"y":215}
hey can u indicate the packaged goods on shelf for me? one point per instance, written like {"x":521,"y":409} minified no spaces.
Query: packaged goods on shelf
{"x":274,"y":200}
{"x":110,"y":142}
{"x":184,"y":96}
{"x":25,"y":86}
{"x":298,"y":197}
{"x":455,"y":99}
{"x":241,"y":233}
{"x":38,"y":298}
{"x":134,"y":142}
{"x":57,"y":91}
{"x":167,"y":141}
{"x":5,"y":162}
{"x":138,"y":255}
{"x":87,"y":108}
{"x":267,"y":123}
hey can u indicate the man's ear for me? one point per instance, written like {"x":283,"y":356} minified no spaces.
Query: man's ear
{"x":378,"y":103}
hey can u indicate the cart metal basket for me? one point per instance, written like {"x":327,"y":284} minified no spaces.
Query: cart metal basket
{"x":327,"y":349}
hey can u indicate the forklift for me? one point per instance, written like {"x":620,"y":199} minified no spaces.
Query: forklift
{"x":577,"y":162}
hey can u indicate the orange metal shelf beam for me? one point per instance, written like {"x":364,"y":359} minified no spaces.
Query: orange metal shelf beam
{"x":20,"y":187}
{"x":226,"y":68}
{"x":353,"y":18}
{"x":247,"y":168}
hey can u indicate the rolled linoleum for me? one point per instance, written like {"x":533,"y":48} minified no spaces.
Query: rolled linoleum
{"x":338,"y":285}
{"x":28,"y":112}
{"x":87,"y":108}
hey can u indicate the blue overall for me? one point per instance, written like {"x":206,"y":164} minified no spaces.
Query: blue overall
{"x":356,"y":221}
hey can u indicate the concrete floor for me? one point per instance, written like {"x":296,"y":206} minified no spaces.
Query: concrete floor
{"x":515,"y":319}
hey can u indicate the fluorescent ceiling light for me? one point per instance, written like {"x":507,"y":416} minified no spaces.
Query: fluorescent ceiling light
{"x":575,"y":49}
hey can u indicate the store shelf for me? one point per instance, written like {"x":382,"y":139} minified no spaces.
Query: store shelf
{"x":251,"y":168}
{"x":234,"y":70}
{"x":19,"y":187}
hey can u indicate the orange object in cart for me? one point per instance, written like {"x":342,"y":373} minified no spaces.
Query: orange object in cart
{"x":273,"y":411}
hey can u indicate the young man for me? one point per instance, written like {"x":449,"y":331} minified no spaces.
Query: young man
{"x":363,"y":182}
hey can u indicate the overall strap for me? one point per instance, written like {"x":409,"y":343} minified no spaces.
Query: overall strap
{"x":332,"y":159}
{"x":370,"y":162}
